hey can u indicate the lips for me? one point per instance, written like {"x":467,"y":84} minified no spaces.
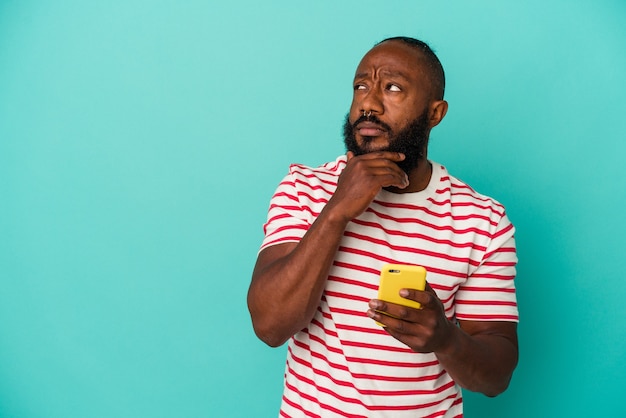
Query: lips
{"x":370,"y":129}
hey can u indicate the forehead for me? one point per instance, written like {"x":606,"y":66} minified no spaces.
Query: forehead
{"x":394,"y":58}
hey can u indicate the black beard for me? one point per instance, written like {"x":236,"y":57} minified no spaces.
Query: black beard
{"x":410,"y":141}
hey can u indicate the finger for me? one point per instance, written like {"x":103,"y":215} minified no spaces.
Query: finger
{"x":423,"y":297}
{"x":383,"y":171}
{"x":376,"y":159}
{"x":384,"y":319}
{"x":379,"y":309}
{"x":380,"y":318}
{"x":391,"y":176}
{"x":430,"y":290}
{"x":386,"y":155}
{"x":401,"y":183}
{"x":384,"y":167}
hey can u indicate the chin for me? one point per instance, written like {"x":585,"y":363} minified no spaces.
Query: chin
{"x":373,"y":144}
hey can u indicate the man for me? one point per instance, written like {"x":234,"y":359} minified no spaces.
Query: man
{"x":330,"y":230}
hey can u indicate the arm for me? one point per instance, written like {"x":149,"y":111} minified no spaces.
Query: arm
{"x":289,"y":279}
{"x":479,"y":355}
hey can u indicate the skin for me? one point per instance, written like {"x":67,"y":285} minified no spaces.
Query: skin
{"x":289,"y":279}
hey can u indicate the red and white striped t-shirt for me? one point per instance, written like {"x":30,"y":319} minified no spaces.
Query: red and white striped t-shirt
{"x":343,"y":364}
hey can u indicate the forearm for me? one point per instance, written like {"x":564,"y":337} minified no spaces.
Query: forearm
{"x":481,"y":362}
{"x":285,"y":293}
{"x":289,"y":279}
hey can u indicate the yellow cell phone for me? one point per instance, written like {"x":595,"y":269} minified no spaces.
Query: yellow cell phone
{"x":394,"y":277}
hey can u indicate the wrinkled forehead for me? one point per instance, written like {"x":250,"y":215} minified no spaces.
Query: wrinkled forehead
{"x":394,"y":57}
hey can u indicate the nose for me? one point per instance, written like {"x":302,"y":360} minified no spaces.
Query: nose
{"x":371,"y":101}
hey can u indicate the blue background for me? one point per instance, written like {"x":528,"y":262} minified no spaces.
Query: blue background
{"x":140,"y":143}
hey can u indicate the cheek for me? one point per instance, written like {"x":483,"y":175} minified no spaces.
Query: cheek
{"x":407,"y":116}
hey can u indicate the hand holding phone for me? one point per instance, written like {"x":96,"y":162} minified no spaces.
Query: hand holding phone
{"x":394,"y":277}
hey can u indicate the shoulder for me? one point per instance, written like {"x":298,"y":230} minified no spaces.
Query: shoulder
{"x":461,"y":194}
{"x":325,"y":174}
{"x":332,"y":168}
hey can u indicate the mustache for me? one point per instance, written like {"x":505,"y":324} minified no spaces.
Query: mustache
{"x":371,"y":118}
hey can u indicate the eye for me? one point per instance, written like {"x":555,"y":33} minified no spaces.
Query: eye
{"x":359,"y":87}
{"x":393,"y":87}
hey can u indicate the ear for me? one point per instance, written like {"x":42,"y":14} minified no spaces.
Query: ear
{"x":438,"y":110}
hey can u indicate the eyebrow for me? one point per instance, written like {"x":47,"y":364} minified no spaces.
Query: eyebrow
{"x":387,"y":73}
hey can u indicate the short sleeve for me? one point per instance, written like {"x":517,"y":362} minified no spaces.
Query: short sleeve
{"x":286,"y":219}
{"x":489,"y":292}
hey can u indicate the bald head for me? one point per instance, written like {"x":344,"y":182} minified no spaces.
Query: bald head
{"x":428,"y":60}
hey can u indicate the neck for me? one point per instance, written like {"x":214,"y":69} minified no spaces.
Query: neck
{"x":419,"y":178}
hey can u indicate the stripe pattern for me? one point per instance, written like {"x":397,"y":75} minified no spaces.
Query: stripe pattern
{"x":343,"y":364}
